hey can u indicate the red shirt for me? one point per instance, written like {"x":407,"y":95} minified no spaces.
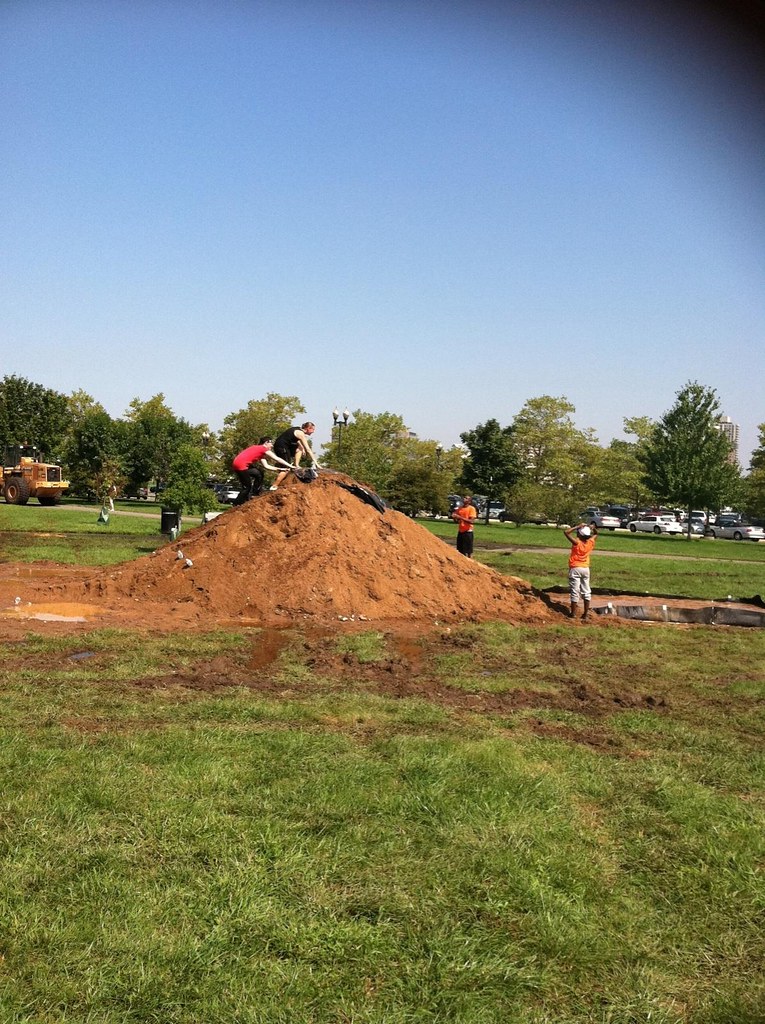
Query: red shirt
{"x":252,"y":454}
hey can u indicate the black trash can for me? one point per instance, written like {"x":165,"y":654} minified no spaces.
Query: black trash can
{"x":171,"y":521}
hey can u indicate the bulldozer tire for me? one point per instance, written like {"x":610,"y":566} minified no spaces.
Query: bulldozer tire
{"x":47,"y":499}
{"x":16,"y":490}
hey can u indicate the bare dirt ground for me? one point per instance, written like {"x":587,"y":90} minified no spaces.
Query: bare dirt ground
{"x":300,"y":567}
{"x":309,"y":553}
{"x":411,"y":669}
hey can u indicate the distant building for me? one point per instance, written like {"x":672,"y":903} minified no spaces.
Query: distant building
{"x":730,"y":429}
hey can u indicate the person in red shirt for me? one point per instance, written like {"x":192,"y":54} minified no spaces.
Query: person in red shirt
{"x":465,"y":516}
{"x":250,"y":466}
{"x":582,"y":541}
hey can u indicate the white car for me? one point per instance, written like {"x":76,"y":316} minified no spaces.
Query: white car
{"x":227,"y":494}
{"x":656,"y":524}
{"x":603,"y":520}
{"x":736,"y":531}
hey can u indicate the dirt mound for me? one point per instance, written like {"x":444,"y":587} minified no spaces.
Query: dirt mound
{"x":314,"y":551}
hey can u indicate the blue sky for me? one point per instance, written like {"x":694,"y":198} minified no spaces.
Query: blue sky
{"x":435,"y":209}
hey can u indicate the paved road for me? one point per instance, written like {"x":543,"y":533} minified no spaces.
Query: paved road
{"x":152,"y":511}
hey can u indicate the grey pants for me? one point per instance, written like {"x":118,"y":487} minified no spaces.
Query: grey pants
{"x":579,"y":580}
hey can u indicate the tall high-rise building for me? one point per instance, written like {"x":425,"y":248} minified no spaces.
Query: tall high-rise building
{"x":730,"y":429}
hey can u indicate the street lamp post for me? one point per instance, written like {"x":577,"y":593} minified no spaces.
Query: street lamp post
{"x":489,"y":497}
{"x":339,"y":424}
{"x":439,"y":452}
{"x":206,"y":453}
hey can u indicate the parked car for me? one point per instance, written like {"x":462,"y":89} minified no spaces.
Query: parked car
{"x":655,"y":524}
{"x":698,"y":519}
{"x":147,"y":493}
{"x":735,"y":531}
{"x":141,"y":494}
{"x":479,"y":503}
{"x":730,"y":519}
{"x":496,"y":508}
{"x":227,"y":493}
{"x":603,"y":520}
{"x":621,"y":512}
{"x":624,"y":513}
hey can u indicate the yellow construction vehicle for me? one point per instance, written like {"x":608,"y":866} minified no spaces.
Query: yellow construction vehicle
{"x":25,"y":477}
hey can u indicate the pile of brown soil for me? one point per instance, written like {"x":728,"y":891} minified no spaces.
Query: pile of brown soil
{"x":308,"y":551}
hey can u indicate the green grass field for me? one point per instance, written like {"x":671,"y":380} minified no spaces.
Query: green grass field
{"x":73,"y":536}
{"x":667,"y":566}
{"x":486,"y":825}
{"x":505,"y":535}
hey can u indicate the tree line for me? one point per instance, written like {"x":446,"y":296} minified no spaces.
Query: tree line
{"x":539,"y":464}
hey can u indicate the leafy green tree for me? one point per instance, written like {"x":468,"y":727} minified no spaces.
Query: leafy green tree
{"x":687,"y":460}
{"x":186,"y":479}
{"x":423,"y":478}
{"x":109,"y":478}
{"x":94,"y":453}
{"x":152,"y":439}
{"x":32,"y":414}
{"x":369,"y":449}
{"x":451,"y":462}
{"x":555,"y":456}
{"x":80,"y":404}
{"x":641,"y":428}
{"x":526,"y":501}
{"x":263,"y":417}
{"x":758,"y":456}
{"x":617,"y":476}
{"x":564,"y":505}
{"x":491,"y":467}
{"x":754,"y":485}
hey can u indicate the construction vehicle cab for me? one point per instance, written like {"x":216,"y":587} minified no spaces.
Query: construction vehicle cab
{"x":25,"y":477}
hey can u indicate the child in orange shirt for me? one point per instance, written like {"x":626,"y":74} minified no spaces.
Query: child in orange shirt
{"x":582,"y":541}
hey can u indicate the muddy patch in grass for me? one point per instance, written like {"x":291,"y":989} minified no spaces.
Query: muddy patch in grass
{"x":287,"y":665}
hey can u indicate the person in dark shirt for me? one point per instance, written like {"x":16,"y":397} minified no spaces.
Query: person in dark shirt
{"x":291,"y":445}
